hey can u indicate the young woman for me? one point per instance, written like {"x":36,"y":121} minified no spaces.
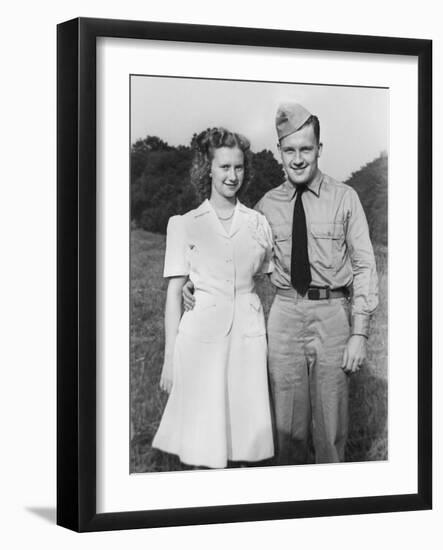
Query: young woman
{"x":215,"y":355}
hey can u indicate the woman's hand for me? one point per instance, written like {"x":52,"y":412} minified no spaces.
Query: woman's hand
{"x":166,"y":376}
{"x":188,"y":296}
{"x":173,"y":312}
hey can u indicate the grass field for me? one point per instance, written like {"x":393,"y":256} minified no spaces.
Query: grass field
{"x":368,"y":392}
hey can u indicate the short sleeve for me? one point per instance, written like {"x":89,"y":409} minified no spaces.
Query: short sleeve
{"x":176,"y":261}
{"x":259,"y":206}
{"x":268,"y":264}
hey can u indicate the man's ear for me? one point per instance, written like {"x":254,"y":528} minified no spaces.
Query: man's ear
{"x":320,"y":148}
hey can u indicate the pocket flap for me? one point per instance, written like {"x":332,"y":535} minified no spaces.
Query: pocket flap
{"x":327,"y":230}
{"x":255,"y":303}
{"x":281,"y":232}
{"x":203,"y":302}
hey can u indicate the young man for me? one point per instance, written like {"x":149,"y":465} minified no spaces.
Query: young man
{"x":326,"y":290}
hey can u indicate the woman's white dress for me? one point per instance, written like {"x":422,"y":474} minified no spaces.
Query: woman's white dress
{"x":218,"y":409}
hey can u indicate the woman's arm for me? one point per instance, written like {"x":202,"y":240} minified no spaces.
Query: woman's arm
{"x":173,"y":313}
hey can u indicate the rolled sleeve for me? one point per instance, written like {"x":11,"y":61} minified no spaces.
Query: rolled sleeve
{"x":176,"y":259}
{"x":259,"y":207}
{"x":267,"y":266}
{"x":360,"y":324}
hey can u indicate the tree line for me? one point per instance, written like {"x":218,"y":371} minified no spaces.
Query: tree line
{"x":161,"y":187}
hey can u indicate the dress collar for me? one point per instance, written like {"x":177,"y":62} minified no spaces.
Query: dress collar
{"x":237,"y":221}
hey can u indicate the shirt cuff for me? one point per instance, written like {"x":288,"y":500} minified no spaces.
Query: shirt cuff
{"x":360,"y":324}
{"x":267,"y":267}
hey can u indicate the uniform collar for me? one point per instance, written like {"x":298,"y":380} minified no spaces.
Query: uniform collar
{"x":314,"y":186}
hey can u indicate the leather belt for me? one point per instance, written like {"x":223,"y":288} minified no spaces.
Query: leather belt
{"x":315,"y":293}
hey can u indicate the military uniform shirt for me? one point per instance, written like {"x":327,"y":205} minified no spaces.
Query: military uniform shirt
{"x":339,"y":247}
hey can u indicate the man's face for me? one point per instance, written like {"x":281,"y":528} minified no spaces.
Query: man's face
{"x":299,"y":154}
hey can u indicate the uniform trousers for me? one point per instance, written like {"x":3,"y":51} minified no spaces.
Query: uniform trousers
{"x":309,"y":388}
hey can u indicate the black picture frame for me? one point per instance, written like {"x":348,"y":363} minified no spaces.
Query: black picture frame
{"x":76,"y":277}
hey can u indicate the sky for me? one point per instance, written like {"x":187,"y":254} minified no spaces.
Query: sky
{"x":354,"y":121}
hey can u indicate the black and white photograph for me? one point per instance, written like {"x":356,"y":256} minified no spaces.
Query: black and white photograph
{"x":258,"y":274}
{"x":221,"y":275}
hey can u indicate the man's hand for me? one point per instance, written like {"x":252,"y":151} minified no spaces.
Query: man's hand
{"x":355,"y":353}
{"x":188,"y":296}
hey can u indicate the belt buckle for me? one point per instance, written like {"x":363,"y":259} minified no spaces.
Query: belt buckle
{"x":318,"y":293}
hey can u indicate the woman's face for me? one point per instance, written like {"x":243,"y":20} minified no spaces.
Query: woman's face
{"x":227,"y":171}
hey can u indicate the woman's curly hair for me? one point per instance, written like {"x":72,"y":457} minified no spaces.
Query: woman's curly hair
{"x":204,"y":145}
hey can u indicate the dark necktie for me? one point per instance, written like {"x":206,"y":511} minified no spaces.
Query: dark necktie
{"x":300,"y":269}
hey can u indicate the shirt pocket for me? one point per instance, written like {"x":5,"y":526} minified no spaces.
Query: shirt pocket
{"x":326,"y":243}
{"x":282,"y":235}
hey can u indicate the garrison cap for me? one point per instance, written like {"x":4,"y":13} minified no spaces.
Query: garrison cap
{"x":290,"y":118}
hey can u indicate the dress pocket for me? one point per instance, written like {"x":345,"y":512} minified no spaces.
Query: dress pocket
{"x":255,"y":320}
{"x":201,"y":322}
